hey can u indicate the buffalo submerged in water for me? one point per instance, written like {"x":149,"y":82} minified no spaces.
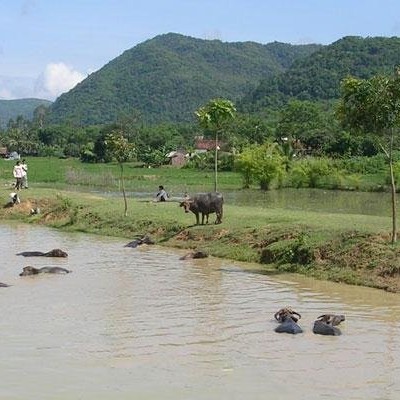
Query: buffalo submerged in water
{"x":28,"y":271}
{"x":51,"y":253}
{"x":326,"y":324}
{"x":287,"y":319}
{"x":204,"y":204}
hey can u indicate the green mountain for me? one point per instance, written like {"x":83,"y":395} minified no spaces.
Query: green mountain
{"x":168,"y":77}
{"x":318,"y":76}
{"x":13,"y":108}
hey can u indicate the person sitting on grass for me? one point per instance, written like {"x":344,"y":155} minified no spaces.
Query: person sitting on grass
{"x":162,"y":195}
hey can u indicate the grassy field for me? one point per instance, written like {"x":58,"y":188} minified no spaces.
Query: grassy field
{"x":65,"y":173}
{"x":348,"y":248}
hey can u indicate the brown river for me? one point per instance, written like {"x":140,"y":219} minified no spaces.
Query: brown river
{"x":142,"y":324}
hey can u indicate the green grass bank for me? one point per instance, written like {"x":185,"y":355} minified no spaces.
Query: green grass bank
{"x":349,"y":248}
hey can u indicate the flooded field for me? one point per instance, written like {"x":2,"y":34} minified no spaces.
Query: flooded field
{"x":142,"y":324}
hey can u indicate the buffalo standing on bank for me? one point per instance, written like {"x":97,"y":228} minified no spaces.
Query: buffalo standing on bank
{"x":204,"y":204}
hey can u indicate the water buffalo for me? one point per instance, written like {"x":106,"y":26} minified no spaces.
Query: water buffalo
{"x":326,"y":324}
{"x":26,"y":271}
{"x":288,"y":321}
{"x":138,"y":242}
{"x":51,"y":253}
{"x":194,"y":254}
{"x":204,"y":204}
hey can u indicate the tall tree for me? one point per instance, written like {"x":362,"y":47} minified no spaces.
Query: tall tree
{"x":303,"y":121}
{"x":122,"y":151}
{"x":373,"y":106}
{"x":212,"y":116}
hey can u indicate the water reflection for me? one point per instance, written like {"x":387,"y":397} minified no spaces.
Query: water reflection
{"x":316,"y":200}
{"x":140,"y":323}
{"x":332,"y":201}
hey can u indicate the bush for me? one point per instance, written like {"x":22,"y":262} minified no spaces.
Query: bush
{"x":263,"y":164}
{"x":312,"y":172}
{"x":363,"y":165}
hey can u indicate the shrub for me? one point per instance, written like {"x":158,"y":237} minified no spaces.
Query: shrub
{"x":312,"y":172}
{"x":263,"y":164}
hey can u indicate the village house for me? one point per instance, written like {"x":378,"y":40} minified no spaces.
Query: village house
{"x":203,"y":145}
{"x":179,"y":157}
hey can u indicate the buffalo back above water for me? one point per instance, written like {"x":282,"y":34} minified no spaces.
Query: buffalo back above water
{"x":205,"y":204}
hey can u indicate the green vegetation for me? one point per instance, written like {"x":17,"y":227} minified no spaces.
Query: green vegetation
{"x":121,"y":150}
{"x":211,"y":117}
{"x":372,"y":106}
{"x":11,"y":109}
{"x":356,"y":173}
{"x":318,"y":76}
{"x":70,"y":173}
{"x":262,"y":164}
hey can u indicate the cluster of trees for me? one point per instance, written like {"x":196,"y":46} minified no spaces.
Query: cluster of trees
{"x":10,"y":109}
{"x":314,"y":126}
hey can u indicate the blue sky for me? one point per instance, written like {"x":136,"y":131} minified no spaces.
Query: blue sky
{"x":47,"y":46}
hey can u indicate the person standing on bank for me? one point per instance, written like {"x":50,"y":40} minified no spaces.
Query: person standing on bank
{"x":18,"y":175}
{"x":24,"y":166}
{"x":162,"y":195}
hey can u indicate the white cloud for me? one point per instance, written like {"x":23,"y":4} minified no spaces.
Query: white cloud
{"x":56,"y":79}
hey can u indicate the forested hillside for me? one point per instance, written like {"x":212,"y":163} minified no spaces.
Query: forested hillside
{"x":13,"y":108}
{"x":168,"y":77}
{"x":318,"y":76}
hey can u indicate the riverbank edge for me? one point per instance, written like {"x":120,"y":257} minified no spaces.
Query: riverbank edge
{"x":364,"y":258}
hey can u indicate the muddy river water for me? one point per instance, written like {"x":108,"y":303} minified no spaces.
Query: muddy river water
{"x":141,"y":324}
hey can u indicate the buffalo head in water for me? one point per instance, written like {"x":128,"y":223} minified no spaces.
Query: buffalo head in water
{"x":288,"y":321}
{"x":326,"y":324}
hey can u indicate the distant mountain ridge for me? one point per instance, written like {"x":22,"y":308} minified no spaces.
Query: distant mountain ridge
{"x":168,"y":77}
{"x":165,"y":79}
{"x":318,"y":76}
{"x":25,"y":107}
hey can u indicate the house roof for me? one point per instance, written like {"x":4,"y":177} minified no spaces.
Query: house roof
{"x":206,"y":144}
{"x":175,"y":153}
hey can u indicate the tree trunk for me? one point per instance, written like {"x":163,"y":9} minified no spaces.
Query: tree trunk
{"x":393,"y":187}
{"x":123,"y":190}
{"x":216,"y":163}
